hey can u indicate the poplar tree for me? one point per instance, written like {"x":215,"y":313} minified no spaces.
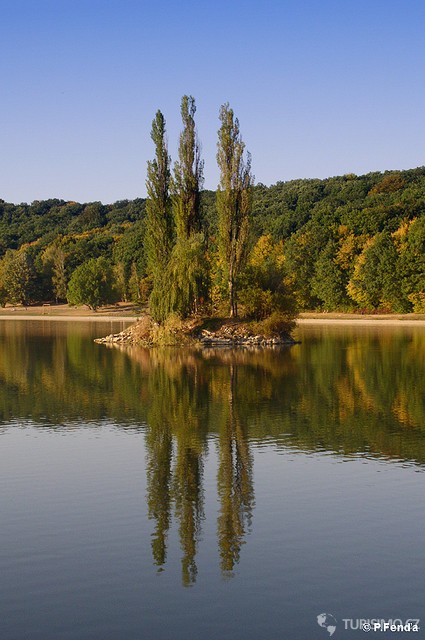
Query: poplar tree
{"x":234,"y":201}
{"x":187,"y":262}
{"x":188,"y":174}
{"x":159,"y":222}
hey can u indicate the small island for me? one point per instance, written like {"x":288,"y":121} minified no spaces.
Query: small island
{"x":195,"y":276}
{"x":204,"y":332}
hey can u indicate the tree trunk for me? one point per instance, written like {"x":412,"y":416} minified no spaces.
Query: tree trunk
{"x":232,"y":299}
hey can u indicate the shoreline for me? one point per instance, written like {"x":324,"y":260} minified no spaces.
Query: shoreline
{"x":70,"y":318}
{"x":123,"y":312}
{"x":363,"y":322}
{"x":63,"y":313}
{"x":352,"y":319}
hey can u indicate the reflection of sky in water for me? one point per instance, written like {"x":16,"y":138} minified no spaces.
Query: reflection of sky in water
{"x":76,"y":552}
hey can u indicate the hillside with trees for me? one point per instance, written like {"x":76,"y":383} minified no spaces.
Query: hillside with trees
{"x":347,"y":243}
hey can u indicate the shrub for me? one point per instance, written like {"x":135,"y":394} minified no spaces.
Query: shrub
{"x":276,"y":324}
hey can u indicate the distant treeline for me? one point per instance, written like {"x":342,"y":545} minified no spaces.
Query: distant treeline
{"x":344,"y":243}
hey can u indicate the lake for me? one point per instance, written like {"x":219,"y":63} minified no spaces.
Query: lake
{"x":168,"y":494}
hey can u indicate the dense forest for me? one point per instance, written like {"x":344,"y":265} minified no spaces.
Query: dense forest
{"x":344,"y":243}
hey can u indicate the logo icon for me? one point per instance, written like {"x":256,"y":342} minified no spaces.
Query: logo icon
{"x":328,"y":622}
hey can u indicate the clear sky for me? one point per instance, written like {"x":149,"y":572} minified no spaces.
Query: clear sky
{"x":320,"y":87}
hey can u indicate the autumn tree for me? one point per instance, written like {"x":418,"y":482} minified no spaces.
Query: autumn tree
{"x":264,"y":288}
{"x":233,"y":201}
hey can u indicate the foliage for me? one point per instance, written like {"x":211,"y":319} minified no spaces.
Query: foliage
{"x":301,"y":253}
{"x":92,"y":284}
{"x":234,"y":201}
{"x":17,"y":274}
{"x":159,"y":223}
{"x":186,"y":271}
{"x":374,"y":283}
{"x":53,"y":258}
{"x":186,"y":263}
{"x":137,"y":288}
{"x":188,"y":175}
{"x":411,"y":263}
{"x":329,"y":281}
{"x":265,"y":290}
{"x":275,"y":324}
{"x":172,"y":332}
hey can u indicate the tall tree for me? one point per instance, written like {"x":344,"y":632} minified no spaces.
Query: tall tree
{"x":159,"y":223}
{"x":188,"y":174}
{"x":234,"y":201}
{"x":187,"y":264}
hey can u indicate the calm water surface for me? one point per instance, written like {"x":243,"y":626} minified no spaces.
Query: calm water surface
{"x":167,"y":494}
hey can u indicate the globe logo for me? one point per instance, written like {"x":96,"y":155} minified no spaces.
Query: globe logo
{"x":327,"y":621}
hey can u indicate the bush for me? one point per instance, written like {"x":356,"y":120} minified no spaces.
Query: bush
{"x":275,"y":325}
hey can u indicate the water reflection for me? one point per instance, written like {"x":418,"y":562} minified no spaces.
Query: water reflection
{"x":235,"y":477}
{"x":185,"y":404}
{"x":348,"y":392}
{"x":352,"y":393}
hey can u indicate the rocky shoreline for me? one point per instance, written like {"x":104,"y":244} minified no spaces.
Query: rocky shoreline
{"x":228,"y":334}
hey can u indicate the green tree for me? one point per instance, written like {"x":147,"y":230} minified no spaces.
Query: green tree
{"x":234,"y":201}
{"x":375,"y":282}
{"x":187,"y":265}
{"x":412,"y":264}
{"x":188,"y":175}
{"x":129,"y":249}
{"x":137,"y":290}
{"x":121,"y":281}
{"x":301,"y":252}
{"x":186,"y":272}
{"x":159,"y":222}
{"x":17,"y":273}
{"x":92,"y":284}
{"x":93,"y":216}
{"x":329,"y":282}
{"x":53,"y":259}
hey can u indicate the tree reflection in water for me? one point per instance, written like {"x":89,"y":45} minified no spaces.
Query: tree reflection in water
{"x":178,"y":425}
{"x":235,"y":478}
{"x":351,"y":392}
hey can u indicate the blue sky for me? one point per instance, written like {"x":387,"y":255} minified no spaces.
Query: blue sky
{"x":320,"y":87}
